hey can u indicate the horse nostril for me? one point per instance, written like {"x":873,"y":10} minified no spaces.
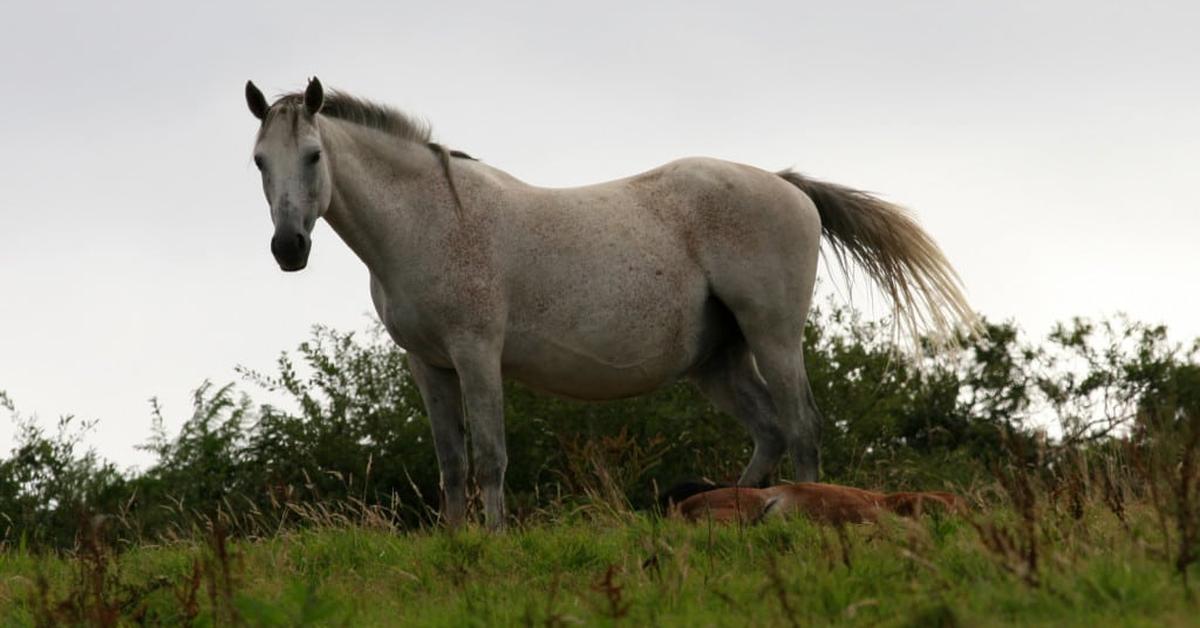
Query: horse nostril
{"x":301,"y":242}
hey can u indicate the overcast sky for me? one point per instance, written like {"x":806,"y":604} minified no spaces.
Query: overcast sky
{"x":1050,"y":147}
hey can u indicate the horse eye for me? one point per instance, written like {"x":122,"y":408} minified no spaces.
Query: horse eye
{"x":313,"y":157}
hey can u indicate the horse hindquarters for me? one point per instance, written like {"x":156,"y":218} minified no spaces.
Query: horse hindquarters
{"x":757,"y":240}
{"x":745,"y":505}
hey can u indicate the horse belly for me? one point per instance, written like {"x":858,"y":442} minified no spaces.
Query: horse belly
{"x":583,"y":345}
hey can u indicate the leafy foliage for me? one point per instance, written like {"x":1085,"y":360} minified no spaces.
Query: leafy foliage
{"x":48,"y":482}
{"x":351,"y":428}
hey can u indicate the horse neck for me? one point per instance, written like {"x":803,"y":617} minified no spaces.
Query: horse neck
{"x":387,"y":192}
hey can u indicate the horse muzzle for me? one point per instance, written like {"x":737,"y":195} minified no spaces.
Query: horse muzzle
{"x":291,"y":249}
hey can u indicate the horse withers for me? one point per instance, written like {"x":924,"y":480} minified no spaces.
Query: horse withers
{"x":699,"y":268}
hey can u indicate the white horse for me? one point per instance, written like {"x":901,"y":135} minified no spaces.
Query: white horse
{"x":699,"y":268}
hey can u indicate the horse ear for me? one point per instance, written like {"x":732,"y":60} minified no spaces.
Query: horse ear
{"x":256,"y":101}
{"x":314,"y":96}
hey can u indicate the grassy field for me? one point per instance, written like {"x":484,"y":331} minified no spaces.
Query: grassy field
{"x":604,"y":567}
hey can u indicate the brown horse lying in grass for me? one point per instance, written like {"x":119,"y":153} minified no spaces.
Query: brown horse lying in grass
{"x":825,"y":503}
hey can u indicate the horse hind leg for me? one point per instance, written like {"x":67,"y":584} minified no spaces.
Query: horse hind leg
{"x":782,"y":366}
{"x":768,"y":288}
{"x":733,"y":385}
{"x":772,"y":322}
{"x":775,"y":337}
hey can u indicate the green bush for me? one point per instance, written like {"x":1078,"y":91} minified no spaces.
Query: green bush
{"x":353,"y":434}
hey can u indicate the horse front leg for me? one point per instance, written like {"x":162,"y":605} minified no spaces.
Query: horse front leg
{"x":443,"y":402}
{"x":478,"y":367}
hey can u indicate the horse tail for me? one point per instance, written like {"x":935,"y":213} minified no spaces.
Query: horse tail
{"x":884,"y":239}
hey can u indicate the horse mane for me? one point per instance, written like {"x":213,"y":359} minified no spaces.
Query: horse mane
{"x":358,"y":111}
{"x":363,"y":112}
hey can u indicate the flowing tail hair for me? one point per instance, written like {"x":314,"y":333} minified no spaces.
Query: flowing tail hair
{"x":884,"y":239}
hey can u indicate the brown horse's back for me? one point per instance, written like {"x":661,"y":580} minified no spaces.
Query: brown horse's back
{"x":823,"y":503}
{"x":828,"y":503}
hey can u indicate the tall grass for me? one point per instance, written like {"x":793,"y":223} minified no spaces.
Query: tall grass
{"x":1085,"y":539}
{"x":327,"y":516}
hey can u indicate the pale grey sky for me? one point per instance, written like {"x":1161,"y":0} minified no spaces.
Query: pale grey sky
{"x":1049,"y":147}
